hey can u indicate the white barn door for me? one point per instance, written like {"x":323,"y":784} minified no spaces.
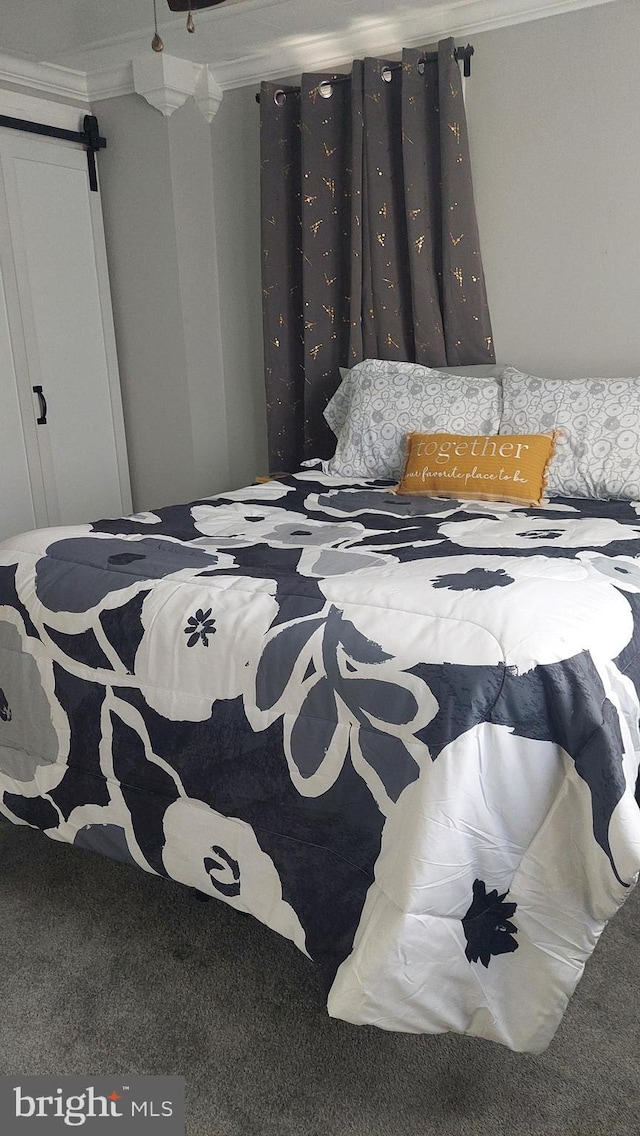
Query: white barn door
{"x":53,"y":264}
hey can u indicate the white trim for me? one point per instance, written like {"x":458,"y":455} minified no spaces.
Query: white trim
{"x":287,"y":55}
{"x":164,"y":81}
{"x":110,"y":353}
{"x":291,"y":55}
{"x":110,"y":82}
{"x":47,"y":77}
{"x":15,"y":104}
{"x":207,"y":93}
{"x":436,"y":18}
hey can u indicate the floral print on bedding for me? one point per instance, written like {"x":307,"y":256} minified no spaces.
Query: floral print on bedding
{"x":402,"y":732}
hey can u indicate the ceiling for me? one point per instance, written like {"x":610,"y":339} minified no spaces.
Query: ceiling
{"x":246,"y":40}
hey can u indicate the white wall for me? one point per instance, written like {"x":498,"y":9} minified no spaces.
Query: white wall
{"x":554,"y":120}
{"x":182,"y":221}
{"x":200,"y":283}
{"x":157,"y":193}
{"x":235,"y":133}
{"x":137,"y":198}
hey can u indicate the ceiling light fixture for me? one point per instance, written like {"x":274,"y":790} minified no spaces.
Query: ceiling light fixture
{"x":156,"y":42}
{"x":188,"y":6}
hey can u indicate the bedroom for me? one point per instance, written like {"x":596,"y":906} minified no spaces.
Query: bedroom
{"x":551,"y":105}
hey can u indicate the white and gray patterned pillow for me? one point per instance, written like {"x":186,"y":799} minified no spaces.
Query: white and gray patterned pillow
{"x":384,"y":401}
{"x":336,"y":410}
{"x":598,"y":422}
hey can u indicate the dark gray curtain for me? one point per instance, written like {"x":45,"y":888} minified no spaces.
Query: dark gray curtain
{"x":369,"y":235}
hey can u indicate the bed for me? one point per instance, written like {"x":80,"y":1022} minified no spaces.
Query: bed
{"x":401,"y":731}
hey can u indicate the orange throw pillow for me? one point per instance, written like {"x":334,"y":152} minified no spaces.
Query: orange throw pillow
{"x":494,"y":467}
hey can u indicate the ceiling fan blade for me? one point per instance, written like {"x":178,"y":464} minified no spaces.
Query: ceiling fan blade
{"x":195,"y":5}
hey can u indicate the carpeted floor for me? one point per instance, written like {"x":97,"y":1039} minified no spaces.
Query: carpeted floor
{"x":106,"y":970}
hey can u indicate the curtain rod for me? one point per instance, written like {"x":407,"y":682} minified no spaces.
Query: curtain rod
{"x":325,"y":88}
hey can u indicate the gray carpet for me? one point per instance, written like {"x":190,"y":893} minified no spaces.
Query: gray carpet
{"x":106,"y":970}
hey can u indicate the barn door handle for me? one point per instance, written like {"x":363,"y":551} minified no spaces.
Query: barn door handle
{"x":43,"y":406}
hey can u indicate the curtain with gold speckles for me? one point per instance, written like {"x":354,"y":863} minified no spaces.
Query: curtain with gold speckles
{"x":370,"y":243}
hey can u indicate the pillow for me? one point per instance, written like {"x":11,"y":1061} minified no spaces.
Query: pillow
{"x":388,"y":399}
{"x":505,"y":467}
{"x":335,"y":412}
{"x":598,"y":424}
{"x":476,"y":370}
{"x":337,"y":408}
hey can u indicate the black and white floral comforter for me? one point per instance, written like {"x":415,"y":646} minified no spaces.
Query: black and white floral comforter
{"x":402,"y":732}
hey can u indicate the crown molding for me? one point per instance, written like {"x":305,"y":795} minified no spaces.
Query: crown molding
{"x":49,"y":78}
{"x":325,"y":52}
{"x":284,"y":55}
{"x":207,"y":93}
{"x":166,"y":83}
{"x":110,"y":82}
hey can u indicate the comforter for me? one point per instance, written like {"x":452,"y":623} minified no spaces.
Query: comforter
{"x":402,"y":732}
